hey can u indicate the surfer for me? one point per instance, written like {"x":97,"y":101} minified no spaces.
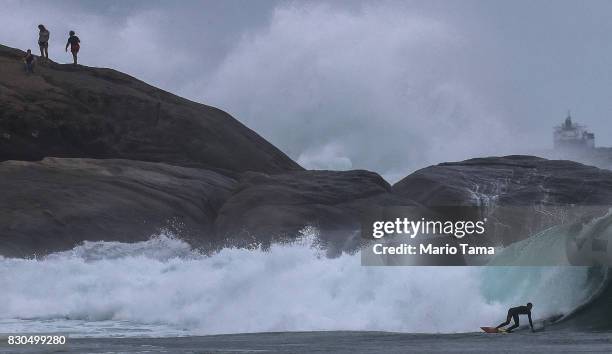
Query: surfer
{"x":514,"y":313}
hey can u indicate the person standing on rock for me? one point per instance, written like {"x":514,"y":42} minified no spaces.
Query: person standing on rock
{"x":43,"y":41}
{"x":75,"y":44}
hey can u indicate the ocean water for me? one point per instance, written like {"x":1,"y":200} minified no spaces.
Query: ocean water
{"x":340,"y":342}
{"x":160,"y":296}
{"x":163,"y":288}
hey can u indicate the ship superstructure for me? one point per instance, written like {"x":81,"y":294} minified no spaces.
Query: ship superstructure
{"x":570,"y":135}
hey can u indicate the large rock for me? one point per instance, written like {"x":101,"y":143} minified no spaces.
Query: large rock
{"x":509,"y":180}
{"x":520,"y":195}
{"x":77,"y":111}
{"x":267,"y":208}
{"x":58,"y":203}
{"x":213,"y":180}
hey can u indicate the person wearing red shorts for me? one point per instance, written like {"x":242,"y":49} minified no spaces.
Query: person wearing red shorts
{"x":75,"y":44}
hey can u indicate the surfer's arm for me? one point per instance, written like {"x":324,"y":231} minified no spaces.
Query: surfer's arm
{"x":530,"y":323}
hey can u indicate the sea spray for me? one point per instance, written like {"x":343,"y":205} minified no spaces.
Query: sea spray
{"x":162,"y":287}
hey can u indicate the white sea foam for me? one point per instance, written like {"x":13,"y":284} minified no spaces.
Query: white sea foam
{"x":161,"y":287}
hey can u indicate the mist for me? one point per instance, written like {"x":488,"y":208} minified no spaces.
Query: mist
{"x":385,"y":86}
{"x":366,"y":89}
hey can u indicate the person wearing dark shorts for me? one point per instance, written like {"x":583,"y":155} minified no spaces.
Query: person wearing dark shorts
{"x":28,"y":62}
{"x":514,"y":313}
{"x":43,"y":41}
{"x":75,"y":44}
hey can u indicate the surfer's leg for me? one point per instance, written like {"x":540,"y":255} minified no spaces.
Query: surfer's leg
{"x":516,"y":323}
{"x":507,"y":320}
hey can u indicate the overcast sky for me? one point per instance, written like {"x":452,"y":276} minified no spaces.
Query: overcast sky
{"x":387,"y":86}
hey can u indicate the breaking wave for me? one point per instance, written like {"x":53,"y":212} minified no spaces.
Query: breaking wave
{"x":161,"y":287}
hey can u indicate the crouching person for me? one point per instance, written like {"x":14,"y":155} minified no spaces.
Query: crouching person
{"x":29,"y":62}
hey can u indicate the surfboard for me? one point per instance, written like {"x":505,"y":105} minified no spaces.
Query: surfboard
{"x":492,"y":330}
